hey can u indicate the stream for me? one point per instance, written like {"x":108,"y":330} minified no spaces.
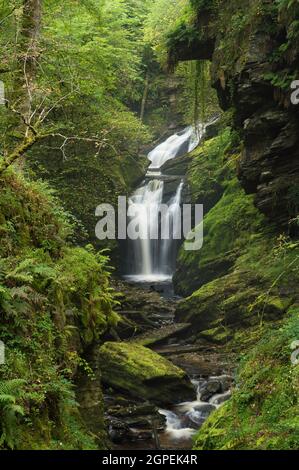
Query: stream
{"x":150,"y":265}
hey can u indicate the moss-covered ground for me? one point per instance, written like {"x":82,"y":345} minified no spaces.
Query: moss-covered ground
{"x":55,"y":301}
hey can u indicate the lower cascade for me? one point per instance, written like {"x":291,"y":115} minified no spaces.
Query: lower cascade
{"x":152,"y":256}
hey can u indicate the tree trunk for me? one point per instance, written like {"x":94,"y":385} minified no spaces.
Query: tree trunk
{"x":24,"y":89}
{"x":145,"y":95}
{"x":31,"y":25}
{"x":29,"y":51}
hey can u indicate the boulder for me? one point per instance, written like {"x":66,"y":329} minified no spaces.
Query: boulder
{"x":224,"y":306}
{"x":119,"y":431}
{"x":211,"y":388}
{"x":204,"y":409}
{"x":220,"y":399}
{"x":144,"y":374}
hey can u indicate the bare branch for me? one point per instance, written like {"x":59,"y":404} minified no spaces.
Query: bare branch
{"x":21,"y":115}
{"x":99,"y":142}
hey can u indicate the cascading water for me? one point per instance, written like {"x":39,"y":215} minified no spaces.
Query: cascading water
{"x":173,"y":222}
{"x":178,"y":144}
{"x":152,"y":258}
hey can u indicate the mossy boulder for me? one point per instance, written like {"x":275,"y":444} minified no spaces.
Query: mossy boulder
{"x":143,"y":374}
{"x":237,"y":300}
{"x":229,"y":229}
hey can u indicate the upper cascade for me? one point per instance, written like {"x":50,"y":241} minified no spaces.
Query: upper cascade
{"x":177,"y":145}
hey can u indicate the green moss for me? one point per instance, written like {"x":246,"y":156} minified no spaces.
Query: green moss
{"x":231,"y":223}
{"x":245,"y":298}
{"x":143,"y":373}
{"x":219,"y":335}
{"x":30,"y":216}
{"x":212,"y":165}
{"x":229,"y":229}
{"x":263,"y":412}
{"x":225,"y":305}
{"x":55,"y":301}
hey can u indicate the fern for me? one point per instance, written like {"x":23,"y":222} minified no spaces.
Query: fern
{"x":10,"y":392}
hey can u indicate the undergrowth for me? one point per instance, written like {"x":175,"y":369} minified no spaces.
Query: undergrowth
{"x":55,"y":301}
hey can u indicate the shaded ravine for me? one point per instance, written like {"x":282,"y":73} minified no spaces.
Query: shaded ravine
{"x":150,"y":265}
{"x":138,"y":424}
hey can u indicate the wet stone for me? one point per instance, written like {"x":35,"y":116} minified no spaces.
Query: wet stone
{"x":212,"y":387}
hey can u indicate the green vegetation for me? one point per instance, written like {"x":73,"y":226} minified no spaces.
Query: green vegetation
{"x":234,"y":23}
{"x":263,"y":413}
{"x":248,"y":278}
{"x":88,"y":85}
{"x":55,"y":301}
{"x":231,"y":224}
{"x":78,"y":98}
{"x":239,"y":244}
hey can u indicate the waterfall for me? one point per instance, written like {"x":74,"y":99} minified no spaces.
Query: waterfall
{"x":178,"y":144}
{"x":173,"y":222}
{"x":149,"y":197}
{"x":152,"y":258}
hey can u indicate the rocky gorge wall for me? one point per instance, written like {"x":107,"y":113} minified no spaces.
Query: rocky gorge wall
{"x":254,"y":52}
{"x":241,"y":290}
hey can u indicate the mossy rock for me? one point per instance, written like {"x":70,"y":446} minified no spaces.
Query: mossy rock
{"x":238,"y":300}
{"x":263,"y":411}
{"x":219,"y":335}
{"x":229,"y":229}
{"x":143,"y":374}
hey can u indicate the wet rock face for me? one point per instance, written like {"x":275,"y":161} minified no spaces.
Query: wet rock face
{"x":141,"y":310}
{"x":264,"y":115}
{"x":90,"y":397}
{"x":211,"y":388}
{"x":219,"y":386}
{"x":131,"y":422}
{"x":269,"y":165}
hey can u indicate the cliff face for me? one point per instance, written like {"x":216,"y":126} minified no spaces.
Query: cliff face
{"x":242,"y":286}
{"x":254,"y":53}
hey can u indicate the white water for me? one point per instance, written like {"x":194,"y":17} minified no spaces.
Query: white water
{"x":149,"y":197}
{"x":183,"y":422}
{"x":173,"y":221}
{"x":183,"y":142}
{"x":174,"y":427}
{"x":152,"y":259}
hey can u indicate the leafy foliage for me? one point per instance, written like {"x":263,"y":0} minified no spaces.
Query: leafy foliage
{"x":10,"y":410}
{"x":55,"y":300}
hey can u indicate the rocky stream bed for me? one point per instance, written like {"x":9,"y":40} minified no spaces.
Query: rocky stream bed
{"x":160,"y":386}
